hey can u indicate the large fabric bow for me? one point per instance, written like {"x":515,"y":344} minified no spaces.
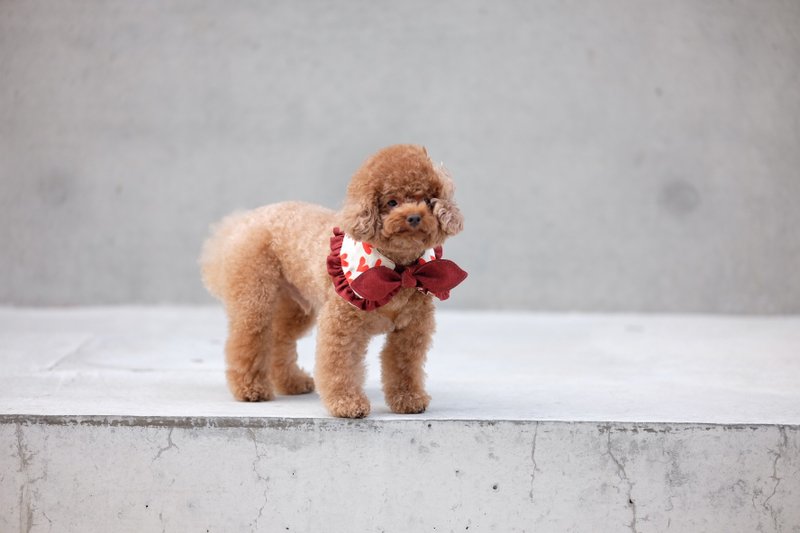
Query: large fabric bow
{"x":438,"y":276}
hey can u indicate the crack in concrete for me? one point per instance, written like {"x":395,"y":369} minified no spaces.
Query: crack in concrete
{"x":25,"y":505}
{"x":778,"y":453}
{"x":22,"y":450}
{"x":753,"y":499}
{"x":69,"y":354}
{"x":624,"y":477}
{"x":260,"y":478}
{"x":672,"y":462}
{"x":533,"y":460}
{"x":169,"y":445}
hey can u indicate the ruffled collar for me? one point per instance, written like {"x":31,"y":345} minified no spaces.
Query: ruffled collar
{"x":350,"y":259}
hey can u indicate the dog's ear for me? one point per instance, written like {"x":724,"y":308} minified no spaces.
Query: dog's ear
{"x":445,"y":208}
{"x":360,"y":218}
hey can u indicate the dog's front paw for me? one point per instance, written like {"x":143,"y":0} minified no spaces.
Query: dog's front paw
{"x":349,"y":406}
{"x":408,"y":403}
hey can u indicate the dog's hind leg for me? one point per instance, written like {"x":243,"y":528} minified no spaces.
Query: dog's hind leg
{"x":290,"y":322}
{"x":252,"y":286}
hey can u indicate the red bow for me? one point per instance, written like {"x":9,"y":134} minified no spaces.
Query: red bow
{"x":437,"y":276}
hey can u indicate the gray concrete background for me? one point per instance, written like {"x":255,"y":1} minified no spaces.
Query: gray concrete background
{"x":619,"y":155}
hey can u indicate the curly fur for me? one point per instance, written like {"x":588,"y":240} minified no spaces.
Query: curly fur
{"x":268,"y":267}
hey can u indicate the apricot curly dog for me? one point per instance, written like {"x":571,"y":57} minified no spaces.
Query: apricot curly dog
{"x":281,"y":267}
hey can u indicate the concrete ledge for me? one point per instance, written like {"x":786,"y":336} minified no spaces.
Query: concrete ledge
{"x":118,"y":420}
{"x":265,"y":474}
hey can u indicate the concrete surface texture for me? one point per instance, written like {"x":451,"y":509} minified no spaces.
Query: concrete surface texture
{"x":611,"y":156}
{"x":598,"y":368}
{"x":396,"y":476}
{"x":552,"y":423}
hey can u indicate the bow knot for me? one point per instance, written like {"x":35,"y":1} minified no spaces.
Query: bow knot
{"x":407,"y":279}
{"x":438,"y":276}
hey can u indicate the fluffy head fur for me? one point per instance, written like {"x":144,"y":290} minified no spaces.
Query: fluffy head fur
{"x":402,"y":203}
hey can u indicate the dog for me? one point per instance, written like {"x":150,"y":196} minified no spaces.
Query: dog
{"x":371,"y":268}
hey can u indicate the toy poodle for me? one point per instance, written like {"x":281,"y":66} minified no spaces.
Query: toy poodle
{"x":369,"y":269}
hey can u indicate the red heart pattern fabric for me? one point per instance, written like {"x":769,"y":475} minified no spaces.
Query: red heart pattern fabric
{"x":368,"y":279}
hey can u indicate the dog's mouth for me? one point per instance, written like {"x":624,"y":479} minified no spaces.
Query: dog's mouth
{"x":418,"y":235}
{"x":410,"y":231}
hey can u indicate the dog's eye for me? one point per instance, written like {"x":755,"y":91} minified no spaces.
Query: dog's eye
{"x":428,"y":202}
{"x":392,"y":203}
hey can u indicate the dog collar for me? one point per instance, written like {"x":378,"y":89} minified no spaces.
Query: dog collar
{"x":367,"y":279}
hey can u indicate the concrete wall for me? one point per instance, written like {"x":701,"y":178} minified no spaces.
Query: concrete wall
{"x":278,"y":475}
{"x":610,"y":156}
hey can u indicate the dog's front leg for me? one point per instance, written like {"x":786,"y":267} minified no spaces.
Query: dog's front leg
{"x":339,"y":372}
{"x":403,"y":361}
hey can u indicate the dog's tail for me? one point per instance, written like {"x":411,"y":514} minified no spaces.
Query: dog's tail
{"x":215,"y":251}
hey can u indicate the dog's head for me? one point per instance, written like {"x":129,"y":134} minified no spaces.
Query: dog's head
{"x":401,"y":202}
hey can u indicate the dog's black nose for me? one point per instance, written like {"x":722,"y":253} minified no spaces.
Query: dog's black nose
{"x":414,"y":220}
